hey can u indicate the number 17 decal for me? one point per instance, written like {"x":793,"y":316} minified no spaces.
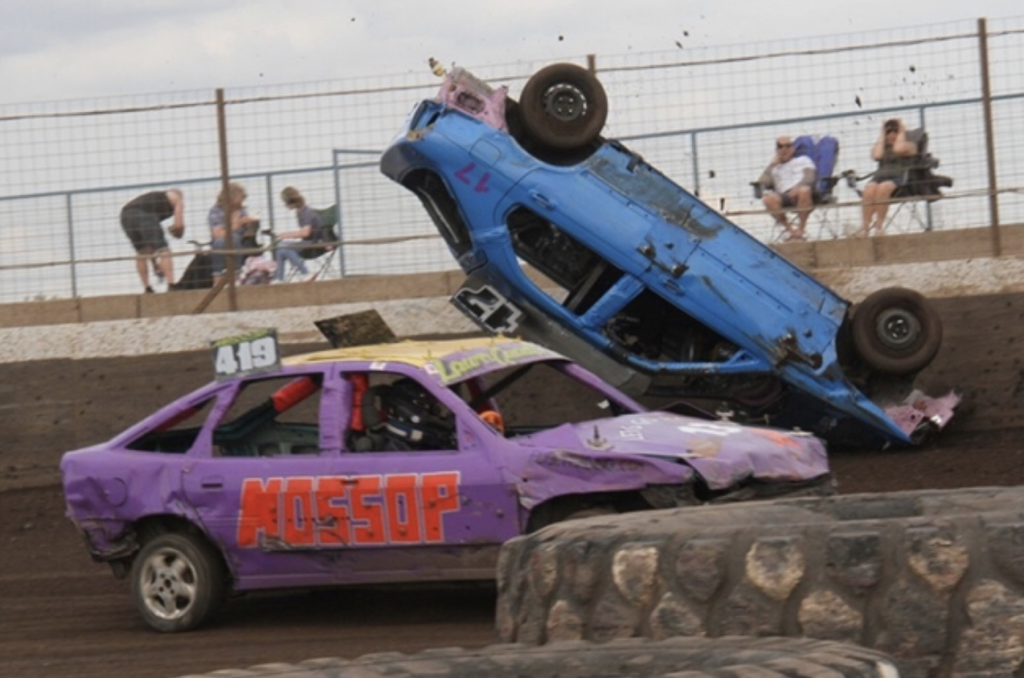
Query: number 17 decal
{"x":463,"y":175}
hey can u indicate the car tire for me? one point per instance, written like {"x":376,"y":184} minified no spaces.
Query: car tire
{"x":896,"y":331}
{"x":177,"y":582}
{"x":563,"y":107}
{"x":629,"y":658}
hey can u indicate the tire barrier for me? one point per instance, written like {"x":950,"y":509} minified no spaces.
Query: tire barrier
{"x":732,"y":657}
{"x":934,"y":578}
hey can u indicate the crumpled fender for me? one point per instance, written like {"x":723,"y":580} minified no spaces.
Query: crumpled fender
{"x":551,"y":473}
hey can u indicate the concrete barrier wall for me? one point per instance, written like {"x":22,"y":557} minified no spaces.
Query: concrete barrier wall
{"x":74,"y":373}
{"x":936,"y":264}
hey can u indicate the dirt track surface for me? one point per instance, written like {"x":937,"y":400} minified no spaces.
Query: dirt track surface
{"x":62,"y":615}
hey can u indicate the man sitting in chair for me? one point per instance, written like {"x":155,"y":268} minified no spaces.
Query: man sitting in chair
{"x":295,"y":246}
{"x":789,"y":180}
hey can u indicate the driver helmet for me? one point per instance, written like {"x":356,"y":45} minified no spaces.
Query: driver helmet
{"x":413,"y":419}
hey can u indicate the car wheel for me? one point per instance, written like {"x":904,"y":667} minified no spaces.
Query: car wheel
{"x":896,"y":331}
{"x":563,"y":106}
{"x":177,"y":581}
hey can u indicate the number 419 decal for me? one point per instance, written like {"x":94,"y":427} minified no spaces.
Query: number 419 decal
{"x":246,"y":354}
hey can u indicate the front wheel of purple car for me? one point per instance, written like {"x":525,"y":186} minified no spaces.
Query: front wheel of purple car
{"x":563,"y":106}
{"x":896,"y":331}
{"x":177,"y":582}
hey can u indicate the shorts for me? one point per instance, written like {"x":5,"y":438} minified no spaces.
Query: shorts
{"x":899,"y":179}
{"x":144,"y":230}
{"x":786,"y":199}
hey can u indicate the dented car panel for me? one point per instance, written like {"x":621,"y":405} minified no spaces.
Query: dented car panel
{"x":289,"y":478}
{"x":630,"y":258}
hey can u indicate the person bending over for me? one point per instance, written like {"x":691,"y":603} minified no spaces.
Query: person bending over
{"x":141,"y":219}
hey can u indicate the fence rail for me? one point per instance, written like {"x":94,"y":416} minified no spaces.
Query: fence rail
{"x":708,"y":120}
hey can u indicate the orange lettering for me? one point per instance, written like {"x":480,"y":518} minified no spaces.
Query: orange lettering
{"x":402,"y":508}
{"x":298,"y":512}
{"x":344,"y":511}
{"x":332,"y":518}
{"x":368,"y":519}
{"x":440,"y":496}
{"x":259,"y":509}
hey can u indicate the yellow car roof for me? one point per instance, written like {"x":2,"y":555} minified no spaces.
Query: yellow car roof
{"x":450,"y":359}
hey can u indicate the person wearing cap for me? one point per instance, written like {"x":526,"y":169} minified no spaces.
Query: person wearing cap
{"x":789,"y":184}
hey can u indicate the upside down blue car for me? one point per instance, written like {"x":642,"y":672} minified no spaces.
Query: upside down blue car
{"x":575,"y":242}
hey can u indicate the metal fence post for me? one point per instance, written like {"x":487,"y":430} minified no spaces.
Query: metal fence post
{"x":695,"y":162}
{"x":226,"y":206}
{"x":923,"y":124}
{"x":340,"y":250}
{"x":71,"y":246}
{"x":990,"y":143}
{"x":268,"y":184}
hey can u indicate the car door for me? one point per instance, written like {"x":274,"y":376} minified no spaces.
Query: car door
{"x":418,"y":497}
{"x":253,"y":490}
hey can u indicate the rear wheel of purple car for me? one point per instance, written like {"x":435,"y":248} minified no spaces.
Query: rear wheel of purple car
{"x":177,"y":582}
{"x":563,"y":106}
{"x":896,"y":331}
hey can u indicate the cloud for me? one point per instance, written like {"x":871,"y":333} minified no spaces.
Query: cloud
{"x":59,"y":49}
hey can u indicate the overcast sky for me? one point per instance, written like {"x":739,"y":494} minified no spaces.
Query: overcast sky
{"x":72,"y":49}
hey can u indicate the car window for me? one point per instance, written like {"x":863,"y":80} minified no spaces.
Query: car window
{"x":272,"y":417}
{"x":392,"y":412}
{"x":581,"y":274}
{"x":176,"y":433}
{"x":535,"y":397}
{"x":651,"y":328}
{"x":442,"y":209}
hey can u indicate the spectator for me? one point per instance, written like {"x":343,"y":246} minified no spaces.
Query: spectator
{"x":141,"y":220}
{"x":292,"y":244}
{"x":894,"y":153}
{"x":243,"y":230}
{"x":789,"y":180}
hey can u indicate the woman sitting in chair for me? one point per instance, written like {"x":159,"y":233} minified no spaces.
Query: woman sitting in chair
{"x":894,"y":153}
{"x":293,"y":245}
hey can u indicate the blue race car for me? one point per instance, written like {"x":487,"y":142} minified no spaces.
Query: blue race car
{"x":573,"y":241}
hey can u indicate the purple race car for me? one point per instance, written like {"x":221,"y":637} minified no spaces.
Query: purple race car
{"x":401,"y":462}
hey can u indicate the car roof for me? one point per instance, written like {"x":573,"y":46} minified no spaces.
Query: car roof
{"x":451,"y":359}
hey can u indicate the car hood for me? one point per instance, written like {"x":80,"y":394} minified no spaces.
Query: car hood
{"x":721,"y":452}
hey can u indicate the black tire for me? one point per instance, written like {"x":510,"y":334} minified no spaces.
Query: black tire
{"x":896,"y":331}
{"x":563,"y":106}
{"x":177,"y":582}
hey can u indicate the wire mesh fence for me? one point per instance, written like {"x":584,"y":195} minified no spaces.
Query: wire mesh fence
{"x":707,"y":118}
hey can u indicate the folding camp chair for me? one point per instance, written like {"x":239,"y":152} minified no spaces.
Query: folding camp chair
{"x":322,"y":255}
{"x":920,"y":187}
{"x":823,"y":151}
